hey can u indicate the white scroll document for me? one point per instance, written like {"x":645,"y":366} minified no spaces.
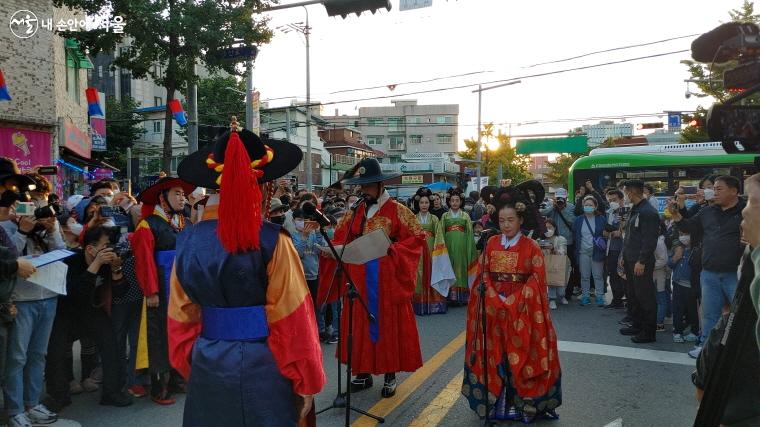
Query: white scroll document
{"x":372,"y":245}
{"x":51,"y":277}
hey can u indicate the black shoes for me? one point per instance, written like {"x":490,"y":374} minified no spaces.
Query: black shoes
{"x":643,"y":338}
{"x":119,"y":399}
{"x":361,"y":382}
{"x":389,"y":387}
{"x":630,"y":331}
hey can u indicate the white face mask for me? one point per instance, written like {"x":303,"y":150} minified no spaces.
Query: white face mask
{"x":109,"y":223}
{"x":108,"y":199}
{"x":709,"y":194}
{"x":299,"y":224}
{"x":614,"y":206}
{"x":550,"y":232}
{"x":686,"y":240}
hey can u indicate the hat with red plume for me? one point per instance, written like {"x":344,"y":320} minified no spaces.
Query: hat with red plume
{"x":236,"y":163}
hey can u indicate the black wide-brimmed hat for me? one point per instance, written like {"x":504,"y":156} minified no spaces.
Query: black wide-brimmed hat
{"x":272,"y":157}
{"x":368,"y":171}
{"x":9,"y":170}
{"x":149,"y":196}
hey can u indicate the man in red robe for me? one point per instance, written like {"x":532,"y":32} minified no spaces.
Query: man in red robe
{"x":388,"y":343}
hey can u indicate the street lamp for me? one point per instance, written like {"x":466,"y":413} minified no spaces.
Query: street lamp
{"x":305,"y":29}
{"x":480,"y":91}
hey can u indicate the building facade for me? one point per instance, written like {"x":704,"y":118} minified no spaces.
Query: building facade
{"x":406,"y":128}
{"x":598,"y":133}
{"x":46,"y":121}
{"x":345,"y":149}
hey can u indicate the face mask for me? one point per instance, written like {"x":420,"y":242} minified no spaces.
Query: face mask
{"x":109,"y":223}
{"x":709,"y":194}
{"x":614,"y":206}
{"x":588,"y":209}
{"x":476,"y":235}
{"x":549,"y":232}
{"x":330,"y":233}
{"x":686,"y":240}
{"x":108,"y":199}
{"x":277,"y":219}
{"x":299,"y":224}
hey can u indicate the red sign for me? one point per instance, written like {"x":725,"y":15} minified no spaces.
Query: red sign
{"x":75,"y":140}
{"x":29,"y":148}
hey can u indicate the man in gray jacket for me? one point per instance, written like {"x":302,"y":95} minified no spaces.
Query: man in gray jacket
{"x":35,"y":307}
{"x":562,"y":213}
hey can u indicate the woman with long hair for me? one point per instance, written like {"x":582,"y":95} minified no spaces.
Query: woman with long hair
{"x":457,"y":230}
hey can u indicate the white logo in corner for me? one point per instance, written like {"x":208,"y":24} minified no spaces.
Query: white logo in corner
{"x":24,"y":24}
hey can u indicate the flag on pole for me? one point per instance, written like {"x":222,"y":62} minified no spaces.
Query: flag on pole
{"x":93,"y":102}
{"x":179,"y":113}
{"x":4,"y":95}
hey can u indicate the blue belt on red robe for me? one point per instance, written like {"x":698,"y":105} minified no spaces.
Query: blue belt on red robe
{"x":372,"y":279}
{"x":165,"y":261}
{"x":234,"y":323}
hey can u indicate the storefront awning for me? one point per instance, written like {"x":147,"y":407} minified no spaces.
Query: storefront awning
{"x":91,"y":164}
{"x":75,"y":57}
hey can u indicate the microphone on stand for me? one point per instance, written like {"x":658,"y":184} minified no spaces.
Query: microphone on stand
{"x":312,"y":212}
{"x":358,"y":202}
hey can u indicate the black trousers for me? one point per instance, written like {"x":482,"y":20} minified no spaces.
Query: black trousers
{"x":94,"y":323}
{"x":574,"y":280}
{"x":642,"y":297}
{"x":617,"y":284}
{"x":684,"y":306}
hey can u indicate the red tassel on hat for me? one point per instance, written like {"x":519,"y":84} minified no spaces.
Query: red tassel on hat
{"x":240,"y":200}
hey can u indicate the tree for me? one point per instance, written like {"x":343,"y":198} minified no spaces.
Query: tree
{"x":216,"y":103}
{"x":123,"y":127}
{"x":514,"y":166}
{"x":695,"y":130}
{"x":559,"y":169}
{"x":173,"y":35}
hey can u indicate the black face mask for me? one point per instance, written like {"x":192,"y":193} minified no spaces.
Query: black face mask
{"x":277,"y":219}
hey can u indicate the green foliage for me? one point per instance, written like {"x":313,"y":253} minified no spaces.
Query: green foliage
{"x":514,"y":166}
{"x":559,"y":169}
{"x":173,"y":34}
{"x":696,"y":132}
{"x":123,"y":128}
{"x":216,"y":103}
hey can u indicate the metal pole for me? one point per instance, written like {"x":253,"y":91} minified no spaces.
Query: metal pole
{"x":478,"y":156}
{"x":308,"y":107}
{"x":249,"y":96}
{"x":192,"y":107}
{"x":129,"y":171}
{"x":288,"y":6}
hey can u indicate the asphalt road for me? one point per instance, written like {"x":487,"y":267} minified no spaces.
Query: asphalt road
{"x":605,"y":379}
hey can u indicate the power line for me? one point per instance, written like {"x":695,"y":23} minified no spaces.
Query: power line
{"x":612,"y":50}
{"x":411,"y":82}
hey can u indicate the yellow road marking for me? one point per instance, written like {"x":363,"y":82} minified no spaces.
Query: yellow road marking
{"x":433,"y":414}
{"x":406,"y":388}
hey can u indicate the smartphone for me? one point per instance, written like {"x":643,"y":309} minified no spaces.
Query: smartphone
{"x":109,"y":211}
{"x":25,"y":209}
{"x":690,"y":189}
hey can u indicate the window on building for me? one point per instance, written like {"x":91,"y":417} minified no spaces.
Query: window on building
{"x":443,"y":120}
{"x":356,"y":123}
{"x":375,"y":121}
{"x":157,"y":101}
{"x":175,"y":162}
{"x":374,"y":139}
{"x":75,"y":60}
{"x":396,"y":142}
{"x":157,"y":126}
{"x":414,"y":119}
{"x":396,"y":124}
{"x":100,"y":71}
{"x":157,"y":71}
{"x":415,"y":139}
{"x":445,"y":139}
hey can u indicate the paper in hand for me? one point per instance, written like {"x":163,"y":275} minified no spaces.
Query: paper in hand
{"x":51,"y":277}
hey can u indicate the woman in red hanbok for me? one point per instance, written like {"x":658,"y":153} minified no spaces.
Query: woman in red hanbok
{"x":521,"y":345}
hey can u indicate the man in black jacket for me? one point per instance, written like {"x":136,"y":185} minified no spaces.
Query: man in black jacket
{"x":93,"y":275}
{"x":719,"y":224}
{"x":641,"y":233}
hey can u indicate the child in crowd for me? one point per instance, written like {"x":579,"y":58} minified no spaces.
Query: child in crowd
{"x":684,"y":300}
{"x":477,"y":229}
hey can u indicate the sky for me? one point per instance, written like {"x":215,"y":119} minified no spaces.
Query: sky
{"x":503,"y":38}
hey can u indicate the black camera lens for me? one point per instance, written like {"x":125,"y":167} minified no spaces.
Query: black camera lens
{"x":44,"y":212}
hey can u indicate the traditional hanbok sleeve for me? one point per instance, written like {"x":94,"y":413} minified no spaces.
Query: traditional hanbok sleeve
{"x":472,"y":254}
{"x":183,"y":326}
{"x":143,"y":247}
{"x":442,"y":273}
{"x":293,"y":337}
{"x":404,"y":254}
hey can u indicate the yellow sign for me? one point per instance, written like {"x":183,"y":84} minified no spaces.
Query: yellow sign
{"x":412,"y":179}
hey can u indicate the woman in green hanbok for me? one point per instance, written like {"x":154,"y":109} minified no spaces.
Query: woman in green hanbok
{"x":458,"y":235}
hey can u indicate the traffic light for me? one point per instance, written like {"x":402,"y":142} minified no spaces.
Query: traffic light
{"x":345,"y":7}
{"x":658,"y":125}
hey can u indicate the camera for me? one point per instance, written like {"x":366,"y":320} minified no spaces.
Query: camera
{"x":118,"y":242}
{"x":44,"y":212}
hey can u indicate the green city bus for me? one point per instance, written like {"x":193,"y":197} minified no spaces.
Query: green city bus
{"x":665,"y":167}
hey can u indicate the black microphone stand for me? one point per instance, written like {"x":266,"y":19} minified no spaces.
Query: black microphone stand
{"x":352,"y":294}
{"x":483,"y":325}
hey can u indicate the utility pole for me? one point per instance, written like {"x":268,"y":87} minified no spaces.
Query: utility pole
{"x":192,"y":107}
{"x":249,"y":95}
{"x":480,"y":91}
{"x":309,"y":177}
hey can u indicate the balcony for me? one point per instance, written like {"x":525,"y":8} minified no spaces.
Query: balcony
{"x":396,"y":146}
{"x":343,"y":160}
